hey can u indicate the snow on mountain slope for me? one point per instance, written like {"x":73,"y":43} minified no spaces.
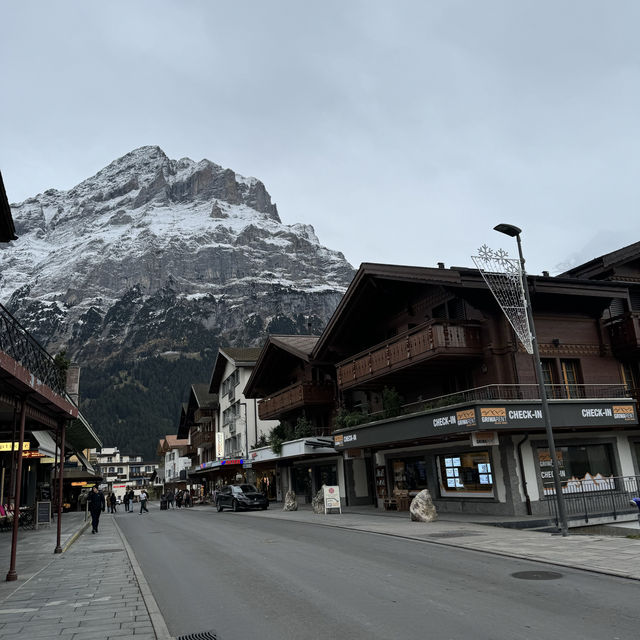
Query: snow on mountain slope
{"x":147,"y":231}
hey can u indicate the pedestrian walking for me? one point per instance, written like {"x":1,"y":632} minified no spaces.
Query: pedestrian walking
{"x":187,"y":499}
{"x":179,"y":499}
{"x":112,"y":501}
{"x":96,"y":503}
{"x":125,"y":499}
{"x":131,"y":495}
{"x":143,"y":501}
{"x":169,"y":499}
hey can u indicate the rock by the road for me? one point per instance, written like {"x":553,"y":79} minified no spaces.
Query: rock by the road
{"x":290,"y":502}
{"x":422,"y":508}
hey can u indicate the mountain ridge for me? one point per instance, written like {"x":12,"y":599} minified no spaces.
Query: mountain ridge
{"x":152,"y":256}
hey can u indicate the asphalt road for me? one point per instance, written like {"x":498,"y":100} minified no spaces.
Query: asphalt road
{"x":247,"y":577}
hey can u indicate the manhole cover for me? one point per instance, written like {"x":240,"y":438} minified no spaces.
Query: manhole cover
{"x":452,"y":534}
{"x":537,"y":575}
{"x":205,"y":635}
{"x":106,"y":550}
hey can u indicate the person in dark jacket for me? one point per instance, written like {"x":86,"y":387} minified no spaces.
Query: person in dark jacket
{"x":112,"y":502}
{"x":96,"y":507}
{"x":132,"y":496}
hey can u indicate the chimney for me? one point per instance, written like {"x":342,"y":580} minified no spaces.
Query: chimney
{"x":73,"y":382}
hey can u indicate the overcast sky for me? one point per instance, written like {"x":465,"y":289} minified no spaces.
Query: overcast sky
{"x":402,"y":131}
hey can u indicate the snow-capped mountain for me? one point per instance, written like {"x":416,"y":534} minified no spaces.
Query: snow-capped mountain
{"x":153,"y":255}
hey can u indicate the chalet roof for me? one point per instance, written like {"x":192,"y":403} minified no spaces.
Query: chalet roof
{"x":199,"y":398}
{"x":603,"y":267}
{"x":375,"y":284}
{"x":201,"y":395}
{"x":238,"y":356}
{"x":370,"y":271}
{"x":173,"y":442}
{"x":297,"y":346}
{"x":241,"y":356}
{"x":300,"y":346}
{"x":7,"y":229}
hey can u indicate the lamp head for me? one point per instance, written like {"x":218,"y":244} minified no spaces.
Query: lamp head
{"x":508,"y":229}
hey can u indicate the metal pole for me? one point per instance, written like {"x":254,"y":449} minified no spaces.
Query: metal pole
{"x":562,"y":512}
{"x":58,"y":548}
{"x":11,"y":574}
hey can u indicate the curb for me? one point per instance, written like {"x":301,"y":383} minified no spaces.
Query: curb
{"x":75,"y":536}
{"x":157,"y":619}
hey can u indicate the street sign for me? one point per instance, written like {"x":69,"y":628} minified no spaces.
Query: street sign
{"x":332,"y":498}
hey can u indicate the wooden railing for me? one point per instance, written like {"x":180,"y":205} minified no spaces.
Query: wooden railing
{"x":204,"y":414}
{"x":296,"y":396}
{"x":625,"y":332}
{"x":427,"y":341}
{"x":202,"y":438}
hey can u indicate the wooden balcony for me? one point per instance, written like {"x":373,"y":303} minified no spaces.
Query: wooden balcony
{"x":202,"y":438}
{"x":296,"y":396}
{"x":428,"y":341}
{"x":625,"y":333}
{"x":204,"y":414}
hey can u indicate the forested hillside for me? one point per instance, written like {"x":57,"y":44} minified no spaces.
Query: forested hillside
{"x":131,"y":405}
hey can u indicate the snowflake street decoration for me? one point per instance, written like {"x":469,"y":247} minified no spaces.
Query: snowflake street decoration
{"x":503,"y":276}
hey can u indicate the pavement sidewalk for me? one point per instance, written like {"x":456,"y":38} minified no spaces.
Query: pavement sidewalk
{"x":94,"y":590}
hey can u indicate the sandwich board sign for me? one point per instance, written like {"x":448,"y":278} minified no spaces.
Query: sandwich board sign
{"x":332,"y":498}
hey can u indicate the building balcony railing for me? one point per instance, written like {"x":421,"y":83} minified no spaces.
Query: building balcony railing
{"x":204,"y":414}
{"x":16,"y":342}
{"x":429,"y":340}
{"x":202,"y":438}
{"x":499,"y":392}
{"x":624,"y":331}
{"x":294,"y":397}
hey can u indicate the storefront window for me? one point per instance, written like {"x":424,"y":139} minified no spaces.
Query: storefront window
{"x":410,"y":474}
{"x":302,"y":482}
{"x":466,"y":475}
{"x":581,"y":468}
{"x":327,"y":474}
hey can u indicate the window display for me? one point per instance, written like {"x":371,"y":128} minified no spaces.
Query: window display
{"x":581,"y":467}
{"x":466,"y":475}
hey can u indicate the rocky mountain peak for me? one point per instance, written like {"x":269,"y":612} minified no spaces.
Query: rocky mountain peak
{"x":148,"y":241}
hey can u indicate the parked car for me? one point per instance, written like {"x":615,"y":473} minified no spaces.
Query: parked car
{"x":241,"y":496}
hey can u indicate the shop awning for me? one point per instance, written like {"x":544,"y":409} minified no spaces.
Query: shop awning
{"x":46,"y":444}
{"x":80,"y":435}
{"x":85,"y":463}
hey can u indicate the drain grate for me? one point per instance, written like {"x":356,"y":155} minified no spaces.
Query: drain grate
{"x":205,"y":635}
{"x":107,"y":550}
{"x":537,"y":575}
{"x":452,"y":534}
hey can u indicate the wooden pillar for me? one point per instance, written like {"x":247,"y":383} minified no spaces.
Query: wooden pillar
{"x":11,"y":574}
{"x":58,"y":548}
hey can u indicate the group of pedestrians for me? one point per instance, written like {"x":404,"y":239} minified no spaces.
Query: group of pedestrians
{"x":97,"y":503}
{"x":181,"y":498}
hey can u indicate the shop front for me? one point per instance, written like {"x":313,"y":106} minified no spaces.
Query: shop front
{"x":302,"y":466}
{"x":221,"y":472}
{"x":491,"y":459}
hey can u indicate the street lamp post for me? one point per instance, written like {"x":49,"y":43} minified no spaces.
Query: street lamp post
{"x":514,"y":232}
